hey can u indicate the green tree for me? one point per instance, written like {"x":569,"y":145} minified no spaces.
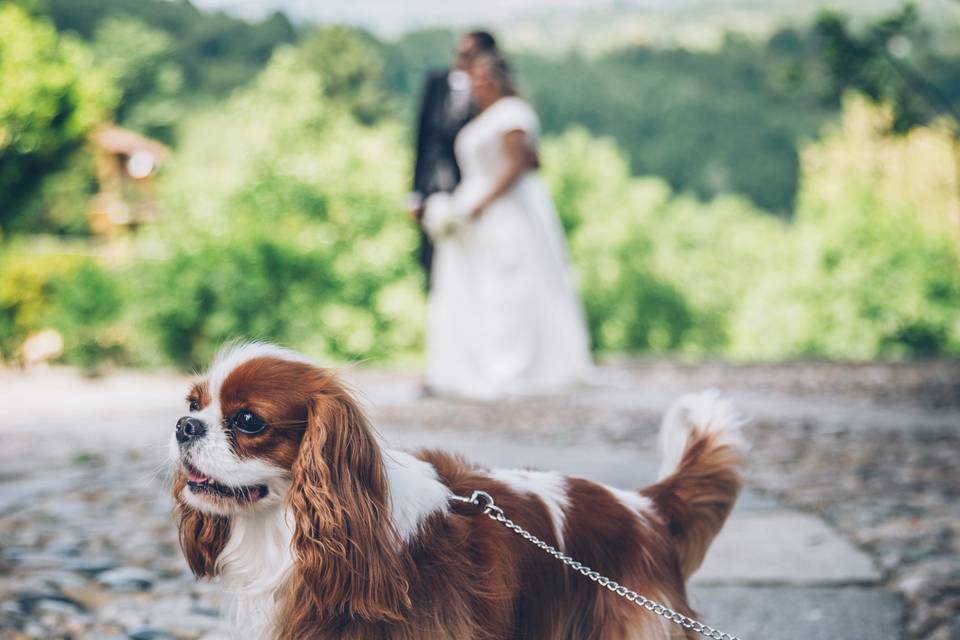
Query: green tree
{"x":351,"y":67}
{"x":216,"y":52}
{"x":708,"y":122}
{"x":408,"y":59}
{"x":51,"y":94}
{"x":658,"y":271}
{"x":140,"y":60}
{"x":894,"y":61}
{"x":284,"y":221}
{"x":872,"y":269}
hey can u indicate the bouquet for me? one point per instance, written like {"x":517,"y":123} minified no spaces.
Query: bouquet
{"x":442,"y":216}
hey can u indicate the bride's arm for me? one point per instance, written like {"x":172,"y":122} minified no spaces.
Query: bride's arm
{"x":518,"y":161}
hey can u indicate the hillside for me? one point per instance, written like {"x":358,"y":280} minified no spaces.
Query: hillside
{"x":551,"y":25}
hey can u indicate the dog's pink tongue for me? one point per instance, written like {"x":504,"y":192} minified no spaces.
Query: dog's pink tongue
{"x":195,"y":476}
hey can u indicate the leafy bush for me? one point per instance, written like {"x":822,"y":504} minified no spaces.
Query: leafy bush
{"x":26,"y":294}
{"x":139,"y":60}
{"x":869,"y":267}
{"x":60,"y":205}
{"x":351,"y":66}
{"x":216,"y":51}
{"x":629,"y":305}
{"x":715,"y":253}
{"x":657,"y":272}
{"x":86,"y":305}
{"x":875,"y":269}
{"x":50,"y":96}
{"x":285,"y":223}
{"x":68,"y":293}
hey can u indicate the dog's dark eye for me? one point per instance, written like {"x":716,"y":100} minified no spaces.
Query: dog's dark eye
{"x":194,"y":405}
{"x":247,"y":422}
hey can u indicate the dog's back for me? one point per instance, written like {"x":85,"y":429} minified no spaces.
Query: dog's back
{"x":648,"y":540}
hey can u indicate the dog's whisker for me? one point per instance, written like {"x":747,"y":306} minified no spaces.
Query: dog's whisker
{"x":161,"y":471}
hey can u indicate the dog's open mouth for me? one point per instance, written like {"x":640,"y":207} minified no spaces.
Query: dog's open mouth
{"x":202,"y":484}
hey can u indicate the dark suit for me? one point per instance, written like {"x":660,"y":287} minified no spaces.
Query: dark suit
{"x":443,"y":113}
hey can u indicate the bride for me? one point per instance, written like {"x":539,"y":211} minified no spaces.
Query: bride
{"x":504,"y":317}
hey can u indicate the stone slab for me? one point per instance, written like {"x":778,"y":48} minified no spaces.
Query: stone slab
{"x":800,"y":613}
{"x":780,"y":546}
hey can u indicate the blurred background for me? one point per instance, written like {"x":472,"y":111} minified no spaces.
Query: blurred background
{"x":748,"y":180}
{"x":758,"y":195}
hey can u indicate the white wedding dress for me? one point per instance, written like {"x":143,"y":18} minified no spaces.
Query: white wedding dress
{"x":504,"y":317}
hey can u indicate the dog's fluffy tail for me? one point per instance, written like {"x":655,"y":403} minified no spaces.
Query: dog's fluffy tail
{"x":702,"y":449}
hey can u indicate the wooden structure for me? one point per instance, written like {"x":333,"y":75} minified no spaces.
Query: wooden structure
{"x":126,"y":164}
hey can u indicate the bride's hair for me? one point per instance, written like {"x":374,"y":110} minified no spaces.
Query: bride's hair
{"x":500,"y":71}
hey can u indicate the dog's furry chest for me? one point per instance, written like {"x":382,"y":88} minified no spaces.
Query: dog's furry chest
{"x":253,"y":566}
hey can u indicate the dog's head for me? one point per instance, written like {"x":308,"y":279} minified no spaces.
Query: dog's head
{"x":266,"y":433}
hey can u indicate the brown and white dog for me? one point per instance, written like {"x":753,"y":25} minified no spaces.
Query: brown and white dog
{"x":318,"y":530}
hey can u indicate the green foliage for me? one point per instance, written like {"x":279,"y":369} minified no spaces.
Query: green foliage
{"x":85,"y":306}
{"x":629,"y":305}
{"x":239,"y":285}
{"x":725,"y":120}
{"x":286,"y":224}
{"x":884,"y":290}
{"x":139,"y":59}
{"x":869,"y":267}
{"x":713,"y":252}
{"x":26,"y":294}
{"x":351,"y":66}
{"x":408,"y":59}
{"x":872,"y":272}
{"x":60,"y":204}
{"x":893,"y":61}
{"x":50,"y":96}
{"x":215,"y":51}
{"x":708,"y":122}
{"x":65,"y":292}
{"x":281,"y":207}
{"x":657,"y":272}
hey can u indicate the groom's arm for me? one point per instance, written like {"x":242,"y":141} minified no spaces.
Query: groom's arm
{"x":425,"y":123}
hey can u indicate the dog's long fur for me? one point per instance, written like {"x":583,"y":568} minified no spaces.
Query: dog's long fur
{"x":356,"y":541}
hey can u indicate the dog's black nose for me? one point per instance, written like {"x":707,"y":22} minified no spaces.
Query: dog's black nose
{"x":189,"y":428}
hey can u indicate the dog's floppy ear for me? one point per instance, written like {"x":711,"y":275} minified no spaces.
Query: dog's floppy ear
{"x":202,"y":535}
{"x":347,"y":556}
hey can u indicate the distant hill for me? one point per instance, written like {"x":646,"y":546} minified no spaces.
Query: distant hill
{"x":697,"y":24}
{"x":590,"y":24}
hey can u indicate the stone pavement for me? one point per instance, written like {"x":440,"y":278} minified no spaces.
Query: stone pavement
{"x":87,"y":549}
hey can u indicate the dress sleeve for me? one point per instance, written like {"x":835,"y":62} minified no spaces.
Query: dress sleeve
{"x":518,"y":115}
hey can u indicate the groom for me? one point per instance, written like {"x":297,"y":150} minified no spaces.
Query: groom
{"x":446,"y":107}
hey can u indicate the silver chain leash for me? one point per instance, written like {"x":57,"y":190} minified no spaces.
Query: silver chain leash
{"x":484,"y":501}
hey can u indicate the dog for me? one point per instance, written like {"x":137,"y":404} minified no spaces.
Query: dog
{"x":317,"y":530}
